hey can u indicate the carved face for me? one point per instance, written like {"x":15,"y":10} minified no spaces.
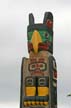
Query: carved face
{"x":39,"y":40}
{"x":36,"y":91}
{"x":40,"y":36}
{"x":38,"y":66}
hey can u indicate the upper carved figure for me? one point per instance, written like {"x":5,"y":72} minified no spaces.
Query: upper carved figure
{"x":40,"y":36}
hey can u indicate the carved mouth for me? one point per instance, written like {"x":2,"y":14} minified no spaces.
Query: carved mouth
{"x":36,"y":101}
{"x":37,"y":73}
{"x":41,"y":46}
{"x":44,"y":46}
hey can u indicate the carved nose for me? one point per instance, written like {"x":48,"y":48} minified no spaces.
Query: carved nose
{"x":36,"y":39}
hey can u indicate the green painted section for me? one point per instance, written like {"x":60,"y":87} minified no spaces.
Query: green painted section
{"x":46,"y":37}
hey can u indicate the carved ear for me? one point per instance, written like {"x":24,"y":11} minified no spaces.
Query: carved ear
{"x":48,"y":19}
{"x":31,"y":19}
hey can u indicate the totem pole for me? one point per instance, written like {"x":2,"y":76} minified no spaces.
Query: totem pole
{"x":38,"y":72}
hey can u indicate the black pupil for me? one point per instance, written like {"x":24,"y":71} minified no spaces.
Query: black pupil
{"x":46,"y":34}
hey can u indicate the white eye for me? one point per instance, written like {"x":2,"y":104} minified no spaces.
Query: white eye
{"x":32,"y":67}
{"x":42,"y":81}
{"x":29,"y":81}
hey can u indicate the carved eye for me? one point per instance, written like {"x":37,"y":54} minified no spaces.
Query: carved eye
{"x":42,"y":81}
{"x":46,"y":35}
{"x":29,"y":81}
{"x":32,"y":66}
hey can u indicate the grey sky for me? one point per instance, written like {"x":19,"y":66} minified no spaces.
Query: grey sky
{"x":13,"y":44}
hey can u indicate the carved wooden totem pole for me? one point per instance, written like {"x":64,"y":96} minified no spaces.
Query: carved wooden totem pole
{"x":39,"y":73}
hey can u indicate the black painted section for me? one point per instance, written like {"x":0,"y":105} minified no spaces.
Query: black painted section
{"x":53,"y":90}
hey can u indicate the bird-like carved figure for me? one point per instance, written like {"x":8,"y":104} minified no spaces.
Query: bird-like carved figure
{"x":39,"y":71}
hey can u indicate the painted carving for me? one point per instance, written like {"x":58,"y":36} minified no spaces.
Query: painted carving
{"x":39,"y":73}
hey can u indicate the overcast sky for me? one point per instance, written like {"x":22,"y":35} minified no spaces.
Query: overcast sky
{"x":13,"y":46}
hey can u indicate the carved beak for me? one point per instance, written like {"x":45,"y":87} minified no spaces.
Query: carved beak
{"x":36,"y":39}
